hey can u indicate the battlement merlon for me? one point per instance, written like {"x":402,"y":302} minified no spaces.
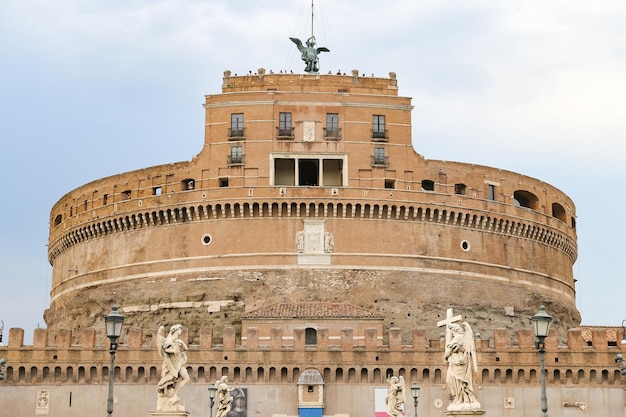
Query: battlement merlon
{"x":582,"y":339}
{"x":330,"y":83}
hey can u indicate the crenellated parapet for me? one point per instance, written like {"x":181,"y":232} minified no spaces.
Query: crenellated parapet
{"x":508,"y":357}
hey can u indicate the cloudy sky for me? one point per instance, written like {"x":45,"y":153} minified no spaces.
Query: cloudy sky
{"x":91,"y":88}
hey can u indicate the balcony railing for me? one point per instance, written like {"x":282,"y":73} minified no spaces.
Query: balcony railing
{"x":332,"y":134}
{"x":284,"y":133}
{"x":380,"y":135}
{"x":380,"y":161}
{"x":235,"y":159}
{"x":236,"y":134}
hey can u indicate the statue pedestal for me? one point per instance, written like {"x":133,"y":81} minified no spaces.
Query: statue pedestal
{"x":465,"y":413}
{"x":168,"y":413}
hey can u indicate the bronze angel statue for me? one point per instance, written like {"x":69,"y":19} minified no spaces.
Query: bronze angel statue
{"x":396,"y":396}
{"x":460,"y":353}
{"x":309,"y":54}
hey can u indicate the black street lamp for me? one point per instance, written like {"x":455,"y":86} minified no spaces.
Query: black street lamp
{"x":415,"y":391}
{"x":212,"y":391}
{"x":542,"y":320}
{"x":113,"y":322}
{"x":619,"y":360}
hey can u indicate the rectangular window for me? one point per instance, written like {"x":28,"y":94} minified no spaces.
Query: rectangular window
{"x":379,"y":157}
{"x":236,"y":125}
{"x":284,"y":124}
{"x":332,"y":126}
{"x":236,"y":155}
{"x":105,"y":199}
{"x":378,"y":127}
{"x":492,"y":192}
{"x":157,"y":191}
{"x":309,"y":172}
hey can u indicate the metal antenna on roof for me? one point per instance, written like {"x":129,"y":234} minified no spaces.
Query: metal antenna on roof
{"x":312,"y":18}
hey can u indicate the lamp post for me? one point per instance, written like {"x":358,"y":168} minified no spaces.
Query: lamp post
{"x":415,"y":391}
{"x":542,"y":320}
{"x":212,"y":392}
{"x":113,"y":323}
{"x":619,"y":360}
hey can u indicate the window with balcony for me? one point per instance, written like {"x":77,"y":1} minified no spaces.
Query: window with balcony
{"x":379,"y":133}
{"x":285,"y":128}
{"x":331,"y":131}
{"x":379,"y":158}
{"x":236,"y":126}
{"x":236,"y":155}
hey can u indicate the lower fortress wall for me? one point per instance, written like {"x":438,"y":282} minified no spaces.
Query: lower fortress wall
{"x":281,"y":400}
{"x":582,"y":377}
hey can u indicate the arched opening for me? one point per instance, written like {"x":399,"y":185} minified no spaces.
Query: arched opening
{"x":559,"y":212}
{"x":525,"y":199}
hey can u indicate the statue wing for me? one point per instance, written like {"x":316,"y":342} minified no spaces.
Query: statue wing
{"x":402,"y":388}
{"x":322,"y":49}
{"x":298,"y":43}
{"x":160,"y":339}
{"x":470,"y":344}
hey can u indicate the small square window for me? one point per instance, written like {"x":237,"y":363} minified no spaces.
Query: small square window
{"x":223,"y":182}
{"x":157,"y":191}
{"x":428,"y":185}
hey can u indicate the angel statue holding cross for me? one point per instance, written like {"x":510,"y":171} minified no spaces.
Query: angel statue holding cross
{"x":460,"y":354}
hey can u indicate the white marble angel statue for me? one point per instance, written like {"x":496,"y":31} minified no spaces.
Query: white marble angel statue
{"x":396,"y":396}
{"x":224,"y":399}
{"x":460,"y":353}
{"x":174,"y":375}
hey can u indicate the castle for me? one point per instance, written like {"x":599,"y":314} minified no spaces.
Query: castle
{"x":308,"y":234}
